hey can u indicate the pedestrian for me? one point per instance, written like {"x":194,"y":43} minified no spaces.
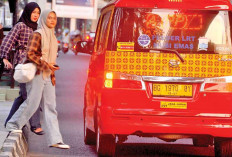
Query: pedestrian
{"x":42,"y":50}
{"x":1,"y":60}
{"x":18,"y":38}
{"x":1,"y":33}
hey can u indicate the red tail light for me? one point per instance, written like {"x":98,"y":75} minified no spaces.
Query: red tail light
{"x":58,"y":41}
{"x":122,"y":80}
{"x":220,"y":84}
{"x":218,"y":87}
{"x":87,"y":37}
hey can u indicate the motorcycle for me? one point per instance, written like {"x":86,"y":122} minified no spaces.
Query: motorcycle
{"x":73,"y":48}
{"x":59,"y":48}
{"x":74,"y":40}
{"x":65,"y":47}
{"x":59,"y":45}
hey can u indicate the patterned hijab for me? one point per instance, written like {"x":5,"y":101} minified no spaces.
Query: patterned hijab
{"x":49,"y":44}
{"x":26,"y":15}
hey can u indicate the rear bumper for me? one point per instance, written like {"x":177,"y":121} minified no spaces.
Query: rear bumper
{"x":129,"y":111}
{"x":126,"y":124}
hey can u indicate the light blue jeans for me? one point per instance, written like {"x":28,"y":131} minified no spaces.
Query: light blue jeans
{"x":39,"y":91}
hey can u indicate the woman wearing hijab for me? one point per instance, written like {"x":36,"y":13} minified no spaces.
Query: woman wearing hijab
{"x":18,"y":38}
{"x":42,"y":50}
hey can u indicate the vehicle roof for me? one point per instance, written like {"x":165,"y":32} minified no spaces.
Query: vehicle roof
{"x":174,"y":4}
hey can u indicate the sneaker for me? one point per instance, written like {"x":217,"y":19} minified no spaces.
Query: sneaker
{"x":61,"y":146}
{"x":16,"y":131}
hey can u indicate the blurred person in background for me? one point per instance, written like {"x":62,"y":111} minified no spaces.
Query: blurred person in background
{"x":1,"y":60}
{"x":1,"y":34}
{"x":65,"y":41}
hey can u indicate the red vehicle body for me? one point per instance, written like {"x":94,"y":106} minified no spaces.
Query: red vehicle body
{"x":159,"y":69}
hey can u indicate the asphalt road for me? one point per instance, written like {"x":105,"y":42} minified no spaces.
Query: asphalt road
{"x":71,"y":79}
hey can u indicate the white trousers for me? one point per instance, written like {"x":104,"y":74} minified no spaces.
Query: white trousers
{"x":39,"y":91}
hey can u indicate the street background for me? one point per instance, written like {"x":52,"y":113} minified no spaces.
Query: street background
{"x":71,"y":79}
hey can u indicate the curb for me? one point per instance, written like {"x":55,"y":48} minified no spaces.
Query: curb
{"x":8,"y":94}
{"x":15,"y":145}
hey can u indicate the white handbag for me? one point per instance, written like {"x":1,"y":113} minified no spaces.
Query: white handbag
{"x":24,"y":72}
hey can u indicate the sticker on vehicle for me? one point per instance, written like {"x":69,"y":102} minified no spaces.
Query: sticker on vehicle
{"x":222,"y":49}
{"x":203,"y":44}
{"x":144,"y":40}
{"x":173,"y":105}
{"x":125,"y":46}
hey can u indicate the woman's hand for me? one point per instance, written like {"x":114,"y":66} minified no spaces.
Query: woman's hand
{"x":7,"y":64}
{"x":53,"y":67}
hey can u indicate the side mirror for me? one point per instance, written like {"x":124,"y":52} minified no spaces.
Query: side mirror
{"x":84,"y":47}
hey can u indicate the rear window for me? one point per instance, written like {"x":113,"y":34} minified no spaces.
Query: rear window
{"x":187,"y":31}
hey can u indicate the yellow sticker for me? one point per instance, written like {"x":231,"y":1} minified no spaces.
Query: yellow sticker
{"x":174,"y":105}
{"x":125,"y":46}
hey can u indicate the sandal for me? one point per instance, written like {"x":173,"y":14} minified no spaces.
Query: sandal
{"x":37,"y":131}
{"x":61,"y":146}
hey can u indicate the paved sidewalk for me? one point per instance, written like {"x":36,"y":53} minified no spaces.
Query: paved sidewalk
{"x":11,"y":144}
{"x":4,"y":110}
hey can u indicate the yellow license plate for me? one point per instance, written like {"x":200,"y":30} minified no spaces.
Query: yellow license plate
{"x":174,"y":105}
{"x":172,"y":90}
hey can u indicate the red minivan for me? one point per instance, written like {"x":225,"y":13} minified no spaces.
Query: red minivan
{"x":161,"y":68}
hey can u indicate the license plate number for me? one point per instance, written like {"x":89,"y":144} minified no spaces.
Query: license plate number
{"x":173,"y":105}
{"x":172,"y":90}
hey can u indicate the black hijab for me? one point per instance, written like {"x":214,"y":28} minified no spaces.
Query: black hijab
{"x":26,"y":15}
